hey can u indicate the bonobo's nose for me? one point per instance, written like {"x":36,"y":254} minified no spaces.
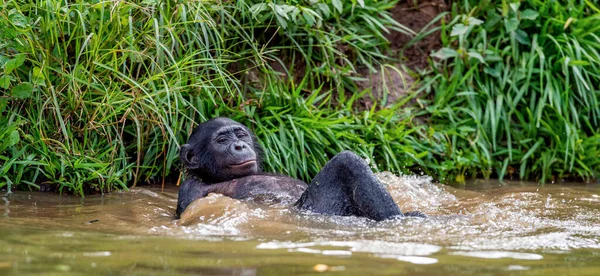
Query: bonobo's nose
{"x":239,"y":146}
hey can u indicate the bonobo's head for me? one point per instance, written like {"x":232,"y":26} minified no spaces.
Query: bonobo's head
{"x":221,"y":149}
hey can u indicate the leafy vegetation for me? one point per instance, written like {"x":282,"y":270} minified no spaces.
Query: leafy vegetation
{"x":98,"y":95}
{"x":516,"y":89}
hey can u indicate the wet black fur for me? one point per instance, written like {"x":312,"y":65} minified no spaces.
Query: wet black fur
{"x":345,"y":186}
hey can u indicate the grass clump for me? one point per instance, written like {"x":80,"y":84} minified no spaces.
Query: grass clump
{"x":515,"y":91}
{"x":98,"y":95}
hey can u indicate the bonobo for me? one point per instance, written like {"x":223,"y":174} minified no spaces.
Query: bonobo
{"x":223,"y":156}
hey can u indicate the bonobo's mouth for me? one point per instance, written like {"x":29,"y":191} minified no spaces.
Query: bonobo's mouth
{"x":244,"y":164}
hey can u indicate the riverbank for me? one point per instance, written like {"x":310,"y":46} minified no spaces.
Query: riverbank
{"x":99,"y":96}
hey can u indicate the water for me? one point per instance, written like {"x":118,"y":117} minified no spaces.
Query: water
{"x":487,"y":228}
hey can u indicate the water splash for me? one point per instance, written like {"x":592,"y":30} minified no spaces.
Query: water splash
{"x":501,"y":219}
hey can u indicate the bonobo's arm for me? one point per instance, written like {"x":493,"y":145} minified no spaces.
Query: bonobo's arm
{"x":346,"y":186}
{"x":190,"y":190}
{"x":263,"y":187}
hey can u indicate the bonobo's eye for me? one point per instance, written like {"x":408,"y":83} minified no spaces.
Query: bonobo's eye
{"x":242,"y":134}
{"x":221,"y":139}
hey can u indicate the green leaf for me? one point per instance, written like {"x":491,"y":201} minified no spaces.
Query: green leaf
{"x":522,"y":37}
{"x":529,"y":14}
{"x":3,"y":60}
{"x":532,"y":149}
{"x":9,"y":66}
{"x":281,"y":21}
{"x":361,"y":3}
{"x":4,"y":82}
{"x":337,"y":4}
{"x":17,"y":19}
{"x":20,"y":59}
{"x":150,"y":2}
{"x":257,"y":8}
{"x":576,"y":62}
{"x":476,"y":55}
{"x":282,"y":11}
{"x":324,"y":9}
{"x":310,"y":20}
{"x":459,"y":29}
{"x":491,"y":56}
{"x":294,"y":14}
{"x":311,"y":16}
{"x":511,"y":25}
{"x":492,"y":20}
{"x":445,"y":53}
{"x":474,"y":21}
{"x":14,"y":63}
{"x":38,"y":76}
{"x":515,"y":6}
{"x":13,"y":138}
{"x":22,"y":90}
{"x":492,"y":72}
{"x":3,"y":103}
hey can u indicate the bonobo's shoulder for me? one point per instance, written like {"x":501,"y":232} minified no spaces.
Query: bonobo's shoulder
{"x":191,"y":180}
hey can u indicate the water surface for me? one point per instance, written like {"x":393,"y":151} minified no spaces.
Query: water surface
{"x":487,"y":228}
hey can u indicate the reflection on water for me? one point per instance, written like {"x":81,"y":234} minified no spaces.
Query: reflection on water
{"x":487,"y":228}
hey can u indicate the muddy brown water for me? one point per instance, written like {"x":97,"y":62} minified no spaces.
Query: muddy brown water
{"x":488,"y":228}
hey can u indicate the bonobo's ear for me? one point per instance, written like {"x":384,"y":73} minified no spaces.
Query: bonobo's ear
{"x":186,"y":154}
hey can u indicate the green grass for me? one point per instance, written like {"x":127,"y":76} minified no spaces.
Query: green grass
{"x":98,"y":95}
{"x":515,"y":90}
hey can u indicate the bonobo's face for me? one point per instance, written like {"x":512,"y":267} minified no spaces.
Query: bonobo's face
{"x":233,"y":146}
{"x":220,"y":150}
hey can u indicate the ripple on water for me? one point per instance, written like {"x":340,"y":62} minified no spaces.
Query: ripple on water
{"x":498,"y":255}
{"x":408,"y":252}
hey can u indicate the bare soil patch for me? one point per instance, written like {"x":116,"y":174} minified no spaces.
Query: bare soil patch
{"x":393,"y":81}
{"x":416,"y":15}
